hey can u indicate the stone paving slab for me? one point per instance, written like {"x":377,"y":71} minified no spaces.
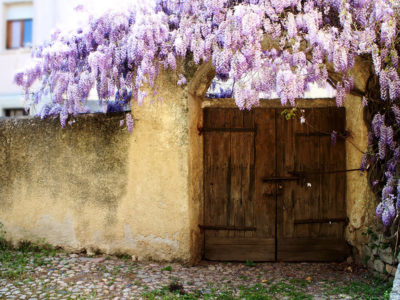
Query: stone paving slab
{"x":72,"y":276}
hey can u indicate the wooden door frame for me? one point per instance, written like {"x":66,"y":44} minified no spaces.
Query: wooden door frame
{"x":230,"y":103}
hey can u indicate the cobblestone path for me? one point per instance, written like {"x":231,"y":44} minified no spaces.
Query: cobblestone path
{"x":72,"y":276}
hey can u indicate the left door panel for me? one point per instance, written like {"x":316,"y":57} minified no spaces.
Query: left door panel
{"x":236,"y":222}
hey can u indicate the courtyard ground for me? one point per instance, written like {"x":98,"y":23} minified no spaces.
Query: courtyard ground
{"x":44,"y":273}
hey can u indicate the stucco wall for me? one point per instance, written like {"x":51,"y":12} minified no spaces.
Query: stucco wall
{"x":360,"y":200}
{"x":158,"y":180}
{"x":95,"y":186}
{"x":61,"y":185}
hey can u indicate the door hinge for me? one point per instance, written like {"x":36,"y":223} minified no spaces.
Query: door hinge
{"x":321,"y":221}
{"x":222,"y":227}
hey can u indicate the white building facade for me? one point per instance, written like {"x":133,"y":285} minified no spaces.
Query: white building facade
{"x":16,"y":38}
{"x":25,"y":24}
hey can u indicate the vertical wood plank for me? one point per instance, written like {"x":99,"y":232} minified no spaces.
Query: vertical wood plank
{"x":285,"y":163}
{"x":217,"y":168}
{"x":249,"y":175}
{"x":265,"y":166}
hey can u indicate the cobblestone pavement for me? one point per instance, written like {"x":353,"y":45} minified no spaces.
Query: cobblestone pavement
{"x":72,"y":276}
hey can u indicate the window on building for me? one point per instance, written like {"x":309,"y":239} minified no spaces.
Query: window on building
{"x":19,"y":33}
{"x":19,"y":25}
{"x":15,"y":112}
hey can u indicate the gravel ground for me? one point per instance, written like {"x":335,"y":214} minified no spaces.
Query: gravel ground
{"x":72,"y":276}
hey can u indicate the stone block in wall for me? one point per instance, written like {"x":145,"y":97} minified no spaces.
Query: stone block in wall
{"x":366,"y":251}
{"x":370,"y":265}
{"x":372,"y":247}
{"x":360,"y":260}
{"x":379,"y":266}
{"x":386,"y":255}
{"x":382,"y":276}
{"x":391,"y":270}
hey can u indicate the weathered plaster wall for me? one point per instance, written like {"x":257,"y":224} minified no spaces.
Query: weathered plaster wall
{"x":157,"y":194}
{"x":96,"y":187}
{"x":359,"y":197}
{"x":62,"y":185}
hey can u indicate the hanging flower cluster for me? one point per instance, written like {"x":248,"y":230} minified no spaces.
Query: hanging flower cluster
{"x":384,"y":153}
{"x":121,"y":50}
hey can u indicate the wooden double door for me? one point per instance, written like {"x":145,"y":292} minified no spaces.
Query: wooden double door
{"x":274,"y":189}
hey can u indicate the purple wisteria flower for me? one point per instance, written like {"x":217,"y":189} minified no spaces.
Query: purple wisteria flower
{"x":333,"y":138}
{"x":379,"y":211}
{"x":268,"y":47}
{"x":129,"y":122}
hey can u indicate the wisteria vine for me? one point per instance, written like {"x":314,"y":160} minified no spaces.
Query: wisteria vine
{"x":122,"y":50}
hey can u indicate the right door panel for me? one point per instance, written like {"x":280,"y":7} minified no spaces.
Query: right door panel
{"x":311,"y":210}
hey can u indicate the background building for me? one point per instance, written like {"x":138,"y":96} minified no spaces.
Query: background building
{"x":16,"y":38}
{"x":24,"y":24}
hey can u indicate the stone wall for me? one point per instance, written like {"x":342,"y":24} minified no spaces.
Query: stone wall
{"x":378,"y":253}
{"x":360,"y":200}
